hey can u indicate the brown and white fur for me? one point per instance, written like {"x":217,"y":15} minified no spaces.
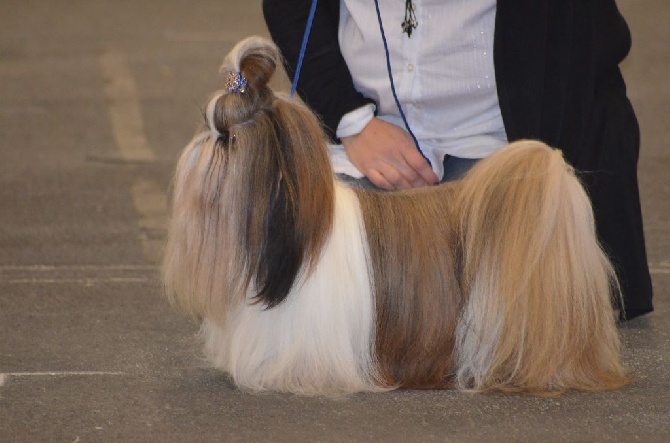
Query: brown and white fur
{"x":492,"y":283}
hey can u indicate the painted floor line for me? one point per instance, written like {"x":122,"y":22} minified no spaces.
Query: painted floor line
{"x":60,"y":373}
{"x":78,"y":274}
{"x":662,"y":267}
{"x":84,"y":281}
{"x":49,"y":268}
{"x":124,"y":107}
{"x":5,"y":376}
{"x":125,"y":114}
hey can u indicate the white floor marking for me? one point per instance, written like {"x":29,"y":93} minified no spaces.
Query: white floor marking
{"x":60,"y":373}
{"x":150,"y":202}
{"x":125,"y":115}
{"x":82,"y":281}
{"x":5,"y":377}
{"x":659,"y":268}
{"x":124,"y":107}
{"x":88,"y":275}
{"x":49,"y":268}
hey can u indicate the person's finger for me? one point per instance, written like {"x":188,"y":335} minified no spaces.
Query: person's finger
{"x":420,"y":182}
{"x":421,"y":167}
{"x":395,"y":177}
{"x":408,"y":175}
{"x":379,"y":180}
{"x":388,"y":150}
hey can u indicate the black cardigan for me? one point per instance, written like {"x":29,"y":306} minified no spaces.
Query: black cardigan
{"x":558,"y":80}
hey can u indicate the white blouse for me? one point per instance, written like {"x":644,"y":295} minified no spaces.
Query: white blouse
{"x":443,"y":74}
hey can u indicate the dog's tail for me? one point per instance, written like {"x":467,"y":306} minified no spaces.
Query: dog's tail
{"x":537,"y":315}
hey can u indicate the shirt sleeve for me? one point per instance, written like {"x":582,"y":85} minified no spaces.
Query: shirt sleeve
{"x":355,"y":121}
{"x":325,"y":83}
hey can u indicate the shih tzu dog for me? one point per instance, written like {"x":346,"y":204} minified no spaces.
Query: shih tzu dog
{"x":302,"y":284}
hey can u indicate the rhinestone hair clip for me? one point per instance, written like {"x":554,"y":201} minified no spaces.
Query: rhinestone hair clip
{"x":236,"y":83}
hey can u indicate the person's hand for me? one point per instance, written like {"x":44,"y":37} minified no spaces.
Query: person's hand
{"x":387,"y":156}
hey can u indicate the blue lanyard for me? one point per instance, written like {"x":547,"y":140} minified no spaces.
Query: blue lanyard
{"x":303,"y":48}
{"x":395,"y":95}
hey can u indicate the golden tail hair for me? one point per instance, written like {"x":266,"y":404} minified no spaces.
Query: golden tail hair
{"x":537,"y":286}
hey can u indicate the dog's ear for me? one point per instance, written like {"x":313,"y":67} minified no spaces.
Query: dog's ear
{"x":283,"y":247}
{"x":300,"y":205}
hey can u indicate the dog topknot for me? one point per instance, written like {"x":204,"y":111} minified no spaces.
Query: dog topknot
{"x":256,"y":59}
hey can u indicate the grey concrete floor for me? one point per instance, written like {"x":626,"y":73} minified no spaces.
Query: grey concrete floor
{"x":96,"y":100}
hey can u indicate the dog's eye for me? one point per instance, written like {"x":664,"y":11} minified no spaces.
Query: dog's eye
{"x":225,"y":139}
